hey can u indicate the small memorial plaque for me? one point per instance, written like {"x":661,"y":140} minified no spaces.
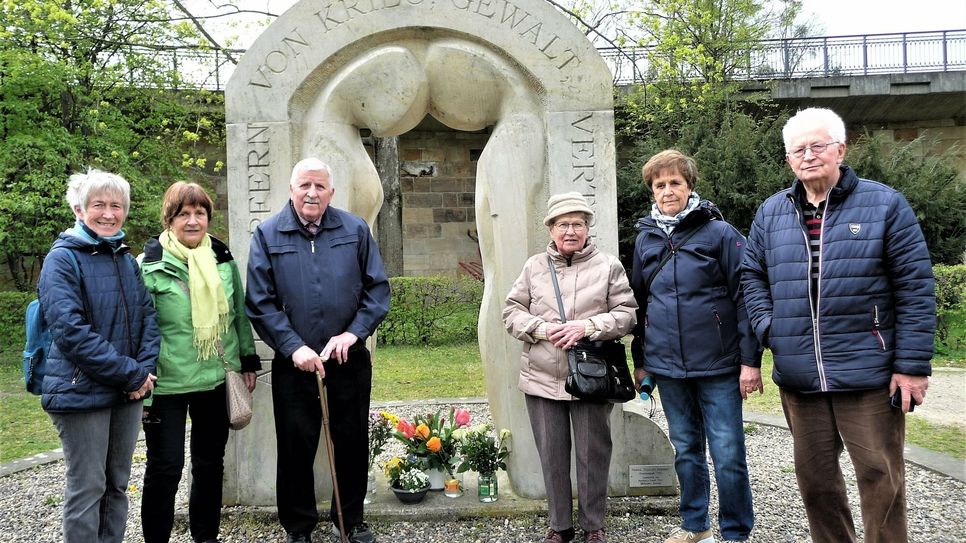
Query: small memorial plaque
{"x":650,"y":475}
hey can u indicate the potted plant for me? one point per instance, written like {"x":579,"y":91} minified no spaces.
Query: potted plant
{"x":485,"y":454}
{"x":432,"y":438}
{"x":406,"y":479}
{"x":380,"y":429}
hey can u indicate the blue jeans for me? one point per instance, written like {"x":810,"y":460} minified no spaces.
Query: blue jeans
{"x":708,"y":409}
{"x":98,"y":446}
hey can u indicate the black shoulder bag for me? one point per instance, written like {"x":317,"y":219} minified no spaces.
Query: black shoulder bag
{"x":597,"y":370}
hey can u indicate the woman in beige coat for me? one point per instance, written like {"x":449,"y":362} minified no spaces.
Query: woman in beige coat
{"x":599,"y":305}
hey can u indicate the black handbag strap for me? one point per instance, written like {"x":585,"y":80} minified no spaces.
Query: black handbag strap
{"x":667,"y":256}
{"x":556,"y":289}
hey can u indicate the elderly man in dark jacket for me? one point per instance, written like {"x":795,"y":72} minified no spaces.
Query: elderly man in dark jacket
{"x":839,"y":285}
{"x":316,"y":290}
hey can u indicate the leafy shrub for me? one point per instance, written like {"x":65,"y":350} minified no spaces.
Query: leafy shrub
{"x":432,"y":310}
{"x":929,"y":181}
{"x":12,"y":307}
{"x":950,"y":307}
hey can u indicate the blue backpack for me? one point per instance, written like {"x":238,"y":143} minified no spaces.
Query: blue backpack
{"x":38,"y":343}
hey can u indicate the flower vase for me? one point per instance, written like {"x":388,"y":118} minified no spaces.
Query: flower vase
{"x":488,"y":489}
{"x":370,"y":487}
{"x":453,"y":485}
{"x":436,"y":478}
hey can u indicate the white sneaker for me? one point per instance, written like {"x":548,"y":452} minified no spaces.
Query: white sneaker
{"x":680,"y":535}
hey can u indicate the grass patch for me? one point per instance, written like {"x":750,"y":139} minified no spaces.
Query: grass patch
{"x":25,"y":429}
{"x":949,"y":440}
{"x":405,"y":372}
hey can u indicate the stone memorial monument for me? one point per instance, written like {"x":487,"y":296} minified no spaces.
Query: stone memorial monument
{"x":326,"y":69}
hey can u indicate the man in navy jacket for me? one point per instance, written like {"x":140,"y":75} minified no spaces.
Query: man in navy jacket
{"x":316,"y":290}
{"x":838,"y":284}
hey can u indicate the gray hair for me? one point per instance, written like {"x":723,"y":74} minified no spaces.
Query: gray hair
{"x":81,"y":187}
{"x":810,"y":119}
{"x":311,"y":164}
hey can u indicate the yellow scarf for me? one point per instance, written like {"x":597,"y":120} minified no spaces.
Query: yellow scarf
{"x":206,"y":292}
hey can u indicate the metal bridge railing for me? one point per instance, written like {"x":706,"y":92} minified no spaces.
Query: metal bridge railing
{"x":907,"y":52}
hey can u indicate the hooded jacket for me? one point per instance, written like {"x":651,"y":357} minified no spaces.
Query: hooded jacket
{"x":105,"y":335}
{"x":876,"y":309}
{"x":593,"y":286}
{"x":692,"y":321}
{"x":179,"y":369}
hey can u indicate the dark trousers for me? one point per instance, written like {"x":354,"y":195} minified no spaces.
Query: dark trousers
{"x":873,"y":432}
{"x":298,"y":428}
{"x":551,"y":421}
{"x":164,"y":433}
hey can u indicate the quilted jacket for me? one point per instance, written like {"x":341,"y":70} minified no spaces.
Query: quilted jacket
{"x":593,"y":286}
{"x":692,"y":320}
{"x":876,"y":310}
{"x":103,"y":324}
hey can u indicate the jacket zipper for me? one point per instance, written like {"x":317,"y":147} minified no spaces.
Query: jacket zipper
{"x":814,"y":308}
{"x":127,"y":316}
{"x":73,"y":379}
{"x":312,"y":241}
{"x":717,"y":319}
{"x":875,"y":327}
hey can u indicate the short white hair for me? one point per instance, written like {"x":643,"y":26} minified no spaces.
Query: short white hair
{"x":81,"y":187}
{"x":810,"y":119}
{"x":310,"y":164}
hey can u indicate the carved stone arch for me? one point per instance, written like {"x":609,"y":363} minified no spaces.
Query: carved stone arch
{"x":325,"y":69}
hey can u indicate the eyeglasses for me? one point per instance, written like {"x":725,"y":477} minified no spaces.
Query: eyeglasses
{"x":562,"y":227}
{"x":815,"y":148}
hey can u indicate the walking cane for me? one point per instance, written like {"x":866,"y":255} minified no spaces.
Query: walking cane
{"x":329,"y":448}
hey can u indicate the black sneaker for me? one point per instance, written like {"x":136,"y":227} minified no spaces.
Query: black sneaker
{"x":298,"y":538}
{"x":360,"y":533}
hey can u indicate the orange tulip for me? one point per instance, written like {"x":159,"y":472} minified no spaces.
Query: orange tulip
{"x":434,"y":444}
{"x":423,"y":430}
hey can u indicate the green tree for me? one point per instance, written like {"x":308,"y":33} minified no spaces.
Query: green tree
{"x":88,"y":83}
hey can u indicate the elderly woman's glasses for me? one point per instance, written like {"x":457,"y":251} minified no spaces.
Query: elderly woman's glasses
{"x":562,"y":227}
{"x":815,"y":148}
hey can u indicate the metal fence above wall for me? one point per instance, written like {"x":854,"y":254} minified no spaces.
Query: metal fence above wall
{"x":825,"y":56}
{"x":868,"y":54}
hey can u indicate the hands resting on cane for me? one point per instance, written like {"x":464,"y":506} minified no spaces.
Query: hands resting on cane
{"x":307,"y":359}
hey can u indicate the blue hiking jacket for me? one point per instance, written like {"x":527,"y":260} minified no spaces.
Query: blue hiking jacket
{"x":692,"y":321}
{"x":104,"y":329}
{"x":876,"y":306}
{"x":304,"y":289}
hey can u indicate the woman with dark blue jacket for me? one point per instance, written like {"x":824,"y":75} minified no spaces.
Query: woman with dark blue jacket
{"x":694,"y":337}
{"x":102,"y":360}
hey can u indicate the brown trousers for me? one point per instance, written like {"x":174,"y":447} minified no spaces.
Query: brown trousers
{"x":551,"y":421}
{"x":874,"y":434}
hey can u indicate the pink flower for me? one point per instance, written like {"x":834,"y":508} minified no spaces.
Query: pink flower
{"x":406,"y":428}
{"x":462,"y":418}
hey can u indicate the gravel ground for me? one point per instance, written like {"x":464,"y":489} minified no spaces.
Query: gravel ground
{"x":30,"y":502}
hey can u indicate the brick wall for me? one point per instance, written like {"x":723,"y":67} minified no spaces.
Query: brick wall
{"x":437,"y":172}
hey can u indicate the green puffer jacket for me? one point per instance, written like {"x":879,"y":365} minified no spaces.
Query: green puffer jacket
{"x":179,"y":370}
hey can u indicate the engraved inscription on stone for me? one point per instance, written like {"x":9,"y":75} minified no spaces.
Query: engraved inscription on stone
{"x":338,"y":12}
{"x":650,"y":475}
{"x":259,"y":178}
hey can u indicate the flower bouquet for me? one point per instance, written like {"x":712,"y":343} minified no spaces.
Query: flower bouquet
{"x":432,"y":438}
{"x":380,"y":430}
{"x":407,"y":480}
{"x":484,"y":454}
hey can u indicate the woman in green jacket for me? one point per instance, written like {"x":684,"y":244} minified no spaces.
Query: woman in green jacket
{"x":198,"y":294}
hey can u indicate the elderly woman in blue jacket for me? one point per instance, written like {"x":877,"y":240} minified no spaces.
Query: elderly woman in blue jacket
{"x":694,"y":338}
{"x":102,"y":360}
